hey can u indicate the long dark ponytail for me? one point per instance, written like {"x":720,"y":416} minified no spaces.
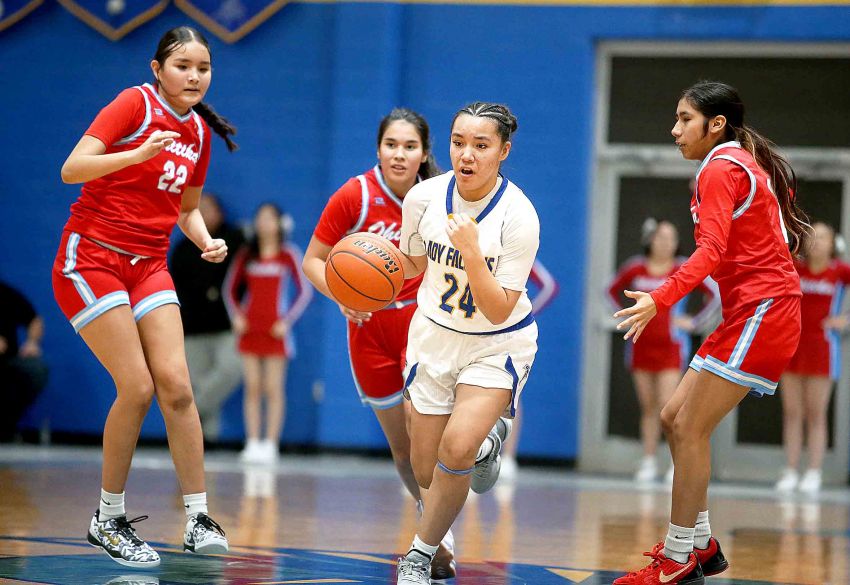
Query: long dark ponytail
{"x":712,"y":98}
{"x":170,"y":42}
{"x":428,"y":168}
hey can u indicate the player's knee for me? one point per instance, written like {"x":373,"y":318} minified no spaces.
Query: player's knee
{"x":174,"y":390}
{"x":668,"y":417}
{"x":135,"y":388}
{"x":689,"y":430}
{"x":137,"y":394}
{"x":423,"y":473}
{"x":458,"y":451}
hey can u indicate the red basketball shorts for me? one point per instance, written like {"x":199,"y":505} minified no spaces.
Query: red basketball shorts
{"x":753,"y":345}
{"x":89,"y":279}
{"x":818,"y":355}
{"x":377,"y":352}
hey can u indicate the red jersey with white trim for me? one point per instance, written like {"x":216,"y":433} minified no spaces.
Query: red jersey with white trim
{"x":823,"y":294}
{"x":741,"y":238}
{"x":634,"y":274}
{"x":265,"y":283}
{"x":136,"y":208}
{"x":365,"y":204}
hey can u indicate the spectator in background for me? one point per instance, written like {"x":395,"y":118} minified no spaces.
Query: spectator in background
{"x":210,"y":345}
{"x":23,"y":373}
{"x":657,"y":363}
{"x":258,"y":302}
{"x":807,"y":383}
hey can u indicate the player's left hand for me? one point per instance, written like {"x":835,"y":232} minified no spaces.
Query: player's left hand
{"x":215,"y":250}
{"x":279,"y":329}
{"x":463,"y":232}
{"x":638,"y":315}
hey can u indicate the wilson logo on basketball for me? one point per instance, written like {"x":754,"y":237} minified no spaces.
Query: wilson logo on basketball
{"x":369,"y":248}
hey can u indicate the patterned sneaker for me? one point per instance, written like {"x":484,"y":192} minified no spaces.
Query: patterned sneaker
{"x":119,"y":540}
{"x":443,"y":564}
{"x":413,"y":571}
{"x":487,"y":467}
{"x":665,"y":571}
{"x":204,"y":536}
{"x":711,"y":558}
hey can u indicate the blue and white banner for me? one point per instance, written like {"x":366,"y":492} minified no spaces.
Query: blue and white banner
{"x":230,"y":20}
{"x":11,"y":11}
{"x":114,"y":18}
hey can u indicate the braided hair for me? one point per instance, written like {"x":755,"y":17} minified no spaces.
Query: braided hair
{"x":506,"y":122}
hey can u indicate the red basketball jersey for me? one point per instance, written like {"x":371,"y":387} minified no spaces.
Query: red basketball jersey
{"x":365,"y":204}
{"x":265,"y":284}
{"x":741,"y":238}
{"x":136,"y":208}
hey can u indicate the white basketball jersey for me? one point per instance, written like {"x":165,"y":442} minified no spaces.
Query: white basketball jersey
{"x":508,"y":233}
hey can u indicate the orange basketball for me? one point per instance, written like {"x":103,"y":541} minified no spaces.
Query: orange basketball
{"x":364,"y":272}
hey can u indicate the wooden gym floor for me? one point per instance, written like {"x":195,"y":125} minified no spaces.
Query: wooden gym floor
{"x":345,"y":519}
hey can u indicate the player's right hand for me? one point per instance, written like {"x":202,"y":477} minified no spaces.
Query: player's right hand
{"x":357,"y":317}
{"x":638,"y":315}
{"x":158,"y":140}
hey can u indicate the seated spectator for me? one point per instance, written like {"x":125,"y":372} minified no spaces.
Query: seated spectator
{"x":23,"y":373}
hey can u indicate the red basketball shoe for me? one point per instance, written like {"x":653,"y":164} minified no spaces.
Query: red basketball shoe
{"x":664,"y":571}
{"x":711,"y":558}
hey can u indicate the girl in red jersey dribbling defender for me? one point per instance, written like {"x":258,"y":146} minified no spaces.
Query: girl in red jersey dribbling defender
{"x":745,"y":220}
{"x":142,"y":163}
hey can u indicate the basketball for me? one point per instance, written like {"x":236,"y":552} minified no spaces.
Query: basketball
{"x":364,"y":272}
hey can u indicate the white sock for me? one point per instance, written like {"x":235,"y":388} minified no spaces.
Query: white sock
{"x":679,"y":543}
{"x":702,"y":531}
{"x":195,"y":503}
{"x":484,"y":449}
{"x":421,"y":549}
{"x":111,"y":505}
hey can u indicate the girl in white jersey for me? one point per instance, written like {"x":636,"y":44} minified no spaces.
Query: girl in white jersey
{"x":472,"y":340}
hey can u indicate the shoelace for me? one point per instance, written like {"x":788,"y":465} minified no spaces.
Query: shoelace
{"x":408,"y":568}
{"x":657,"y":556}
{"x":127,"y":531}
{"x":209,"y":523}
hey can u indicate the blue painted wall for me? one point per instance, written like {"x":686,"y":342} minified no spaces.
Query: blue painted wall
{"x":307,"y":90}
